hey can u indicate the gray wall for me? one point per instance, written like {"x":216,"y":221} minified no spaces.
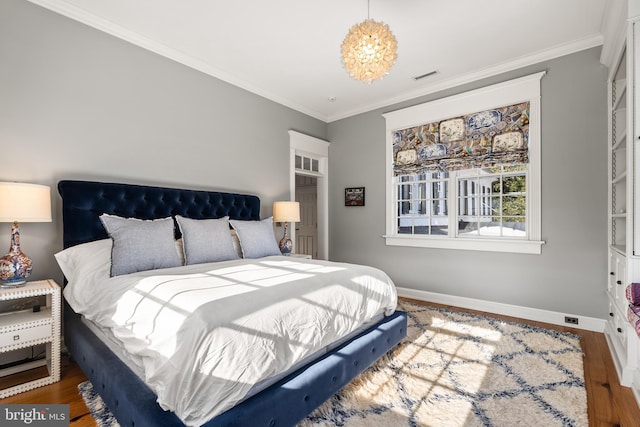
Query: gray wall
{"x":570,"y":274}
{"x":76,"y":103}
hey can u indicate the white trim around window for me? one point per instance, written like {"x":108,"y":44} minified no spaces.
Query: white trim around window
{"x":510,"y":92}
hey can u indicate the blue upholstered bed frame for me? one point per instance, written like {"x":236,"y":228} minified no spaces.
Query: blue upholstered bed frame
{"x":283,"y":404}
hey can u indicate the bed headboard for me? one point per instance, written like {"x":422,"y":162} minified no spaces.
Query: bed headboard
{"x":84,"y":201}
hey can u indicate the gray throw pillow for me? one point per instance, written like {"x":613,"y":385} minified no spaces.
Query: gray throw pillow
{"x":140,"y":245}
{"x":256,"y":238}
{"x":206,"y":240}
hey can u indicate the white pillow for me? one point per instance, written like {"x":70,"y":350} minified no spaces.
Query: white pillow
{"x":83,"y":266}
{"x":256,"y":238}
{"x":82,"y":262}
{"x":140,"y":245}
{"x":206,"y":240}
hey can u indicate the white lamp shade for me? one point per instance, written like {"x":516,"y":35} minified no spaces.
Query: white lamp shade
{"x":286,"y":212}
{"x":24,"y":202}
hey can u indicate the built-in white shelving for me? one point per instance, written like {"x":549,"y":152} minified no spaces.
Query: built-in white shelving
{"x":624,"y":201}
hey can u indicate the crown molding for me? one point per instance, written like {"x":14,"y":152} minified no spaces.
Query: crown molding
{"x":545,"y":55}
{"x":614,"y":30}
{"x":77,"y":14}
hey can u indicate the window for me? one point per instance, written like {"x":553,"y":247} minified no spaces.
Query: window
{"x":422,"y":203}
{"x":308,"y":164}
{"x":464,"y":172}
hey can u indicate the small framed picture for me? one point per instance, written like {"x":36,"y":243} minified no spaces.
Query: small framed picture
{"x":354,"y":196}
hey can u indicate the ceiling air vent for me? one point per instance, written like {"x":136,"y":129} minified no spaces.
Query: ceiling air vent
{"x":429,"y":74}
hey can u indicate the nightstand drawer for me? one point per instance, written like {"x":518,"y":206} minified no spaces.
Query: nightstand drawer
{"x":20,"y":337}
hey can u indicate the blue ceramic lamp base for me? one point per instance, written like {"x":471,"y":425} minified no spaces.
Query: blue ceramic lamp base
{"x":15,"y":266}
{"x":285,"y":243}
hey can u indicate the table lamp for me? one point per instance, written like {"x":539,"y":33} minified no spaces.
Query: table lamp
{"x":286,"y":212}
{"x":26,"y":203}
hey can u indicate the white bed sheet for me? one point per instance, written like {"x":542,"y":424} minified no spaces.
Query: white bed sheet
{"x":206,"y":334}
{"x":105,"y":335}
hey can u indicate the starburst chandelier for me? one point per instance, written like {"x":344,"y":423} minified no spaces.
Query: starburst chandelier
{"x":369,"y":50}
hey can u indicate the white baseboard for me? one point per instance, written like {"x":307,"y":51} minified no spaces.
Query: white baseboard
{"x":552,"y":317}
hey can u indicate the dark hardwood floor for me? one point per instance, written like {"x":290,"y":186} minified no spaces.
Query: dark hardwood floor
{"x":609,"y":404}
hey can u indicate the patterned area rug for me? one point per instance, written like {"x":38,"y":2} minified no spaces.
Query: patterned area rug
{"x":455,"y":369}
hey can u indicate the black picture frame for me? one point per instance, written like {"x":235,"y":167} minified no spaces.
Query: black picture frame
{"x":354,"y":196}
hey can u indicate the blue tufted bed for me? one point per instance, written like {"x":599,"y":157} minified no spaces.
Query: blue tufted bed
{"x":283,"y":403}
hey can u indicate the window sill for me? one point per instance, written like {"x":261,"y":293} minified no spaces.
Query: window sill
{"x":487,"y":245}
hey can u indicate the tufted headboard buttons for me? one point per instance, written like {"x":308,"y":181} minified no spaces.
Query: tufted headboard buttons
{"x":84,"y":201}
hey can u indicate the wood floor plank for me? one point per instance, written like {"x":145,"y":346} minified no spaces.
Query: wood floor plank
{"x":65,"y":391}
{"x":597,"y":380}
{"x":625,"y":409}
{"x":609,"y":403}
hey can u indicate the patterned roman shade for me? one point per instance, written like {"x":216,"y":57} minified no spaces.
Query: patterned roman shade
{"x":499,"y":136}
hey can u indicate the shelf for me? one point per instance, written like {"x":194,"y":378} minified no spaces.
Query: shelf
{"x":26,"y":366}
{"x":621,"y":249}
{"x":620,"y":144}
{"x":622,"y":110}
{"x":25,"y":317}
{"x":37,"y":372}
{"x":619,"y":178}
{"x":621,"y":91}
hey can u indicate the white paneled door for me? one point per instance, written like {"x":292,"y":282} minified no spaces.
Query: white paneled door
{"x":307,"y":228}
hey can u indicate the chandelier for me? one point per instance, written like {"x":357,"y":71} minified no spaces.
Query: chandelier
{"x":369,"y":50}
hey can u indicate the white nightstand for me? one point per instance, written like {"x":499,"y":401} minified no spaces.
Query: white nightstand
{"x":26,"y":328}
{"x":304,"y":256}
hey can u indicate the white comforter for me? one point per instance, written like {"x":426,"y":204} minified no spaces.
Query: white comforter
{"x":205,"y":334}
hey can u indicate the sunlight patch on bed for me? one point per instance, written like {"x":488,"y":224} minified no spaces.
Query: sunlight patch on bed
{"x":160,"y":304}
{"x":189,"y":293}
{"x":157,"y":305}
{"x":303,"y":266}
{"x":261,"y":276}
{"x":266,"y":276}
{"x":274,"y":281}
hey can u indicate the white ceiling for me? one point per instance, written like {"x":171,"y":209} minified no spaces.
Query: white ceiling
{"x":289,"y":50}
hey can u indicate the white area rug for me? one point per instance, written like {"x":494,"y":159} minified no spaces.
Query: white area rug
{"x":455,"y":370}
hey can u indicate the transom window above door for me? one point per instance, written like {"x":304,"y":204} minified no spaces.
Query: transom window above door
{"x":308,"y":164}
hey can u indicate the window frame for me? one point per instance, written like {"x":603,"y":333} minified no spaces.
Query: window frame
{"x":474,"y":178}
{"x":510,"y":92}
